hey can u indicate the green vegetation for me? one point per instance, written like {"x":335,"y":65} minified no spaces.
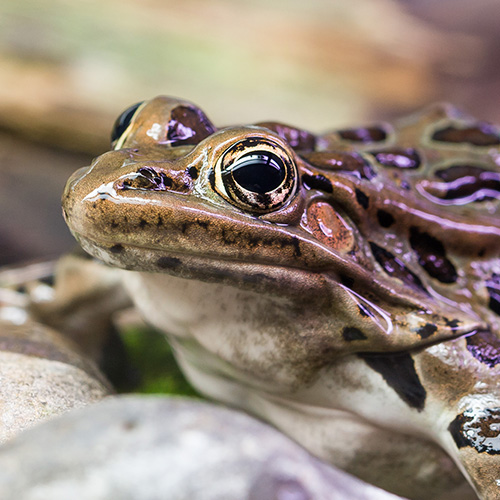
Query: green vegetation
{"x":151,"y":355}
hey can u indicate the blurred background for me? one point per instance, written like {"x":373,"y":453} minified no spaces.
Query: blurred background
{"x":68,"y":68}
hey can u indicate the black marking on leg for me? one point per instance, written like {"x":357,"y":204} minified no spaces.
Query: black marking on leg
{"x":432,"y":256}
{"x":478,"y":429}
{"x":116,"y":248}
{"x":362,"y":198}
{"x":168,"y":262}
{"x":398,"y":370}
{"x":427,"y":330}
{"x":485,"y":347}
{"x":350,"y":333}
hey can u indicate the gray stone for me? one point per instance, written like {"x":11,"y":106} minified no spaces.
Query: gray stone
{"x":148,"y":448}
{"x":42,"y":374}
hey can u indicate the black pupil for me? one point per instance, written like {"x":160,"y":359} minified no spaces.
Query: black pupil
{"x":259,"y":172}
{"x":123,"y":121}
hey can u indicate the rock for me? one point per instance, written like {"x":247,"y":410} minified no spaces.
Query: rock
{"x":80,"y":298}
{"x":148,"y":448}
{"x":42,"y":374}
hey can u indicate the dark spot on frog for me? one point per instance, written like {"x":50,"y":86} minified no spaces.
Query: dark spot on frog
{"x":351,"y":333}
{"x":341,"y":161}
{"x":367,"y":134}
{"x":385,"y":219}
{"x":481,"y":134}
{"x":143,"y":223}
{"x":398,"y":370}
{"x":406,"y":158}
{"x":116,"y":248}
{"x":211,"y":179}
{"x":296,"y":245}
{"x":478,"y":429}
{"x":465,"y":184}
{"x":362,"y":199}
{"x":114,"y":224}
{"x":452,"y":323}
{"x":395,"y":267}
{"x":485,"y":347}
{"x":297,"y":138}
{"x":347,"y":281}
{"x":188,"y":125}
{"x":192,"y":172}
{"x":493,"y":287}
{"x":319,"y":182}
{"x":168,"y":262}
{"x":231,"y":238}
{"x":159,"y":222}
{"x":427,"y":330}
{"x":432,"y":256}
{"x":364,"y":311}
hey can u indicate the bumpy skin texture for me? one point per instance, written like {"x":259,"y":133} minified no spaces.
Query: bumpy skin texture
{"x":345,"y":287}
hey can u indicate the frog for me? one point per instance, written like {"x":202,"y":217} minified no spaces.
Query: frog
{"x":343,"y":286}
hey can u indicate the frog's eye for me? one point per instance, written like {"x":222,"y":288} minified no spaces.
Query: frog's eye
{"x":123,"y":121}
{"x":257,"y":179}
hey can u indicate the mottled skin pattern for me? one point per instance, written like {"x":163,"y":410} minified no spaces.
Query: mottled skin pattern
{"x":351,"y":296}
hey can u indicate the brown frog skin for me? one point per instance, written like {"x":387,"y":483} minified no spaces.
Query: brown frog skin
{"x":345,"y":287}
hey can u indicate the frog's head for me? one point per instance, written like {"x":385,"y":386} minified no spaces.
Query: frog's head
{"x":380,"y":225}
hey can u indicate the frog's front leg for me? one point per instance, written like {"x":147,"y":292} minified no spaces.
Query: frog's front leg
{"x":463,"y":377}
{"x":452,"y":396}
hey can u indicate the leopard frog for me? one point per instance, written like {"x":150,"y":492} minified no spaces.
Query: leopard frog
{"x":345,"y":286}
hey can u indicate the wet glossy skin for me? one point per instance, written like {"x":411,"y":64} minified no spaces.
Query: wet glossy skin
{"x":345,"y":287}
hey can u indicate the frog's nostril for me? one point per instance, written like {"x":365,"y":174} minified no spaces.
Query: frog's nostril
{"x":159,"y":180}
{"x":155,"y":179}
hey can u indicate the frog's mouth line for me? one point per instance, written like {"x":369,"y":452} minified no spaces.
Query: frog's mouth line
{"x":310,"y":288}
{"x":253,"y":275}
